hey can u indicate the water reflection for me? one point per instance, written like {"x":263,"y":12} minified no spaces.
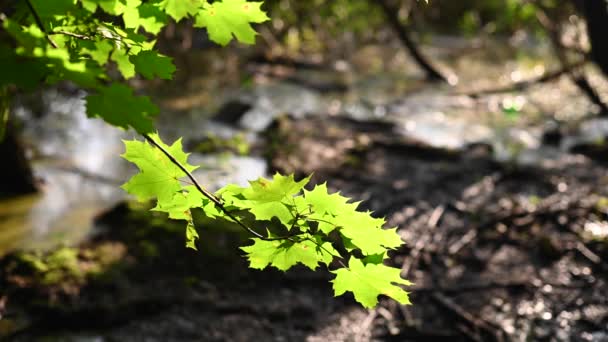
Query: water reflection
{"x":78,"y":162}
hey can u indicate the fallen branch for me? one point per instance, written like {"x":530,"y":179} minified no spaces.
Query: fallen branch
{"x":478,"y":324}
{"x":523,"y":85}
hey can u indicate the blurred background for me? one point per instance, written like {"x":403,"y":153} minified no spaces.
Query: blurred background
{"x":477,"y":127}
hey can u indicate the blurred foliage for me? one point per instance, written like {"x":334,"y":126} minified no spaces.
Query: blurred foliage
{"x":307,"y":25}
{"x":64,"y":266}
{"x":214,"y":143}
{"x":312,"y":26}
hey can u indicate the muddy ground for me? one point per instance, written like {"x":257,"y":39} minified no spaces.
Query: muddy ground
{"x":496,"y":252}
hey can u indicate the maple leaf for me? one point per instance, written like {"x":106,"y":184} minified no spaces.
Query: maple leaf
{"x":151,"y":63}
{"x":322,"y":202}
{"x":228,"y":18}
{"x":181,"y":203}
{"x":180,"y":9}
{"x":98,"y":50}
{"x":265,"y":198}
{"x":121,"y":58}
{"x":278,"y":189}
{"x":158,"y":176}
{"x":46,"y":8}
{"x":114,"y":7}
{"x":148,"y":15}
{"x":191,"y":235}
{"x":118,"y":106}
{"x":369,"y":281}
{"x":366,"y":232}
{"x":285,"y":254}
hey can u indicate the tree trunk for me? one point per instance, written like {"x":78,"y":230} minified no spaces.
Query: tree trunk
{"x":596,"y":13}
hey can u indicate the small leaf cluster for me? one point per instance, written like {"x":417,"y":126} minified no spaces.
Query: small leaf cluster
{"x":81,"y":40}
{"x":309,"y":227}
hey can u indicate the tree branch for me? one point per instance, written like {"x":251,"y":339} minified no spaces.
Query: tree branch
{"x":71,"y":34}
{"x":523,"y":85}
{"x":40,"y":24}
{"x":212,"y":197}
{"x":392,"y":14}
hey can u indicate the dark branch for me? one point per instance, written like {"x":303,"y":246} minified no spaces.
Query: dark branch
{"x":39,"y":23}
{"x":577,"y":76}
{"x":392,"y":14}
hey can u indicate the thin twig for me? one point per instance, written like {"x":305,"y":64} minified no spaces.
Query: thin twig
{"x":523,"y":85}
{"x":479,"y":324}
{"x":211,"y":196}
{"x":424,"y":240}
{"x":71,"y":34}
{"x":40,"y":24}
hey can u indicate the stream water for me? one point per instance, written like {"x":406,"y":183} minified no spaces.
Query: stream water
{"x":78,"y":160}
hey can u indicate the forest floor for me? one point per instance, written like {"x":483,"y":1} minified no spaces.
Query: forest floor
{"x":496,"y":252}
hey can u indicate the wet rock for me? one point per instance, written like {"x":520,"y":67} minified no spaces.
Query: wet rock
{"x":232,"y":112}
{"x":16,"y":173}
{"x":552,"y":134}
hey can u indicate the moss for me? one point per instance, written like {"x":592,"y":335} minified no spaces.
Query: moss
{"x":236,"y":144}
{"x":65,"y":265}
{"x":62,"y":264}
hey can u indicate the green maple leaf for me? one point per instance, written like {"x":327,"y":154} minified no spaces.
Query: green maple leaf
{"x":179,"y":207}
{"x":64,"y":68}
{"x":117,"y":105}
{"x":126,"y":68}
{"x":324,"y":222}
{"x":226,"y":18}
{"x":158,"y":177}
{"x":114,"y":7}
{"x":151,"y":63}
{"x":22,"y":72}
{"x":366,"y":233}
{"x":266,"y":211}
{"x":210,"y":209}
{"x":285,"y":254}
{"x":266,"y":199}
{"x":148,"y":15}
{"x":46,"y":8}
{"x":191,"y":235}
{"x":180,"y":9}
{"x":98,"y":50}
{"x":369,"y":281}
{"x":322,"y":202}
{"x":275,"y":190}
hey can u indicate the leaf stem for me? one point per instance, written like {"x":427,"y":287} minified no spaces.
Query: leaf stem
{"x":339,"y":257}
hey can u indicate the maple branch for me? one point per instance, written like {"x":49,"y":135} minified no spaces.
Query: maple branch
{"x":212,"y":197}
{"x":71,"y":34}
{"x":40,"y":24}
